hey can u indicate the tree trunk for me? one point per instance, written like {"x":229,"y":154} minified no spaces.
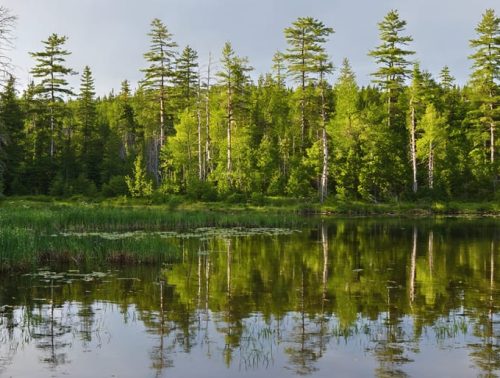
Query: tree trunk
{"x":208,"y":156}
{"x":430,"y":248}
{"x":201,"y":174}
{"x":229,"y":126}
{"x":162,"y":119}
{"x":302,"y":97}
{"x":324,"y":174}
{"x":431,"y":166}
{"x":52,"y":121}
{"x":413,"y":265}
{"x":324,"y":140}
{"x":413,"y":147}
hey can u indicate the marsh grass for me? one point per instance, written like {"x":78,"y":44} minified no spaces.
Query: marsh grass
{"x":58,"y":218}
{"x":33,"y":233}
{"x":25,"y":249}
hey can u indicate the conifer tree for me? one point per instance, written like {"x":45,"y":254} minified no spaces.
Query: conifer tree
{"x":87,"y":118}
{"x":11,"y":133}
{"x":52,"y":72}
{"x":279,"y":68}
{"x":186,"y":77}
{"x":306,"y":38}
{"x":446,"y":80}
{"x":161,"y":57}
{"x":485,"y":81}
{"x":233,"y":79}
{"x":345,"y":129}
{"x":391,"y":56}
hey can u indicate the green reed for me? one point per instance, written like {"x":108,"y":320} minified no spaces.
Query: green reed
{"x":56,"y":218}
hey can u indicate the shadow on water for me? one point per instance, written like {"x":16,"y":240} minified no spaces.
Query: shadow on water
{"x":386,"y":298}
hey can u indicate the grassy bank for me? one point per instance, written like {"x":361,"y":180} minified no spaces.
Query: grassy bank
{"x":45,"y":230}
{"x":275,"y":207}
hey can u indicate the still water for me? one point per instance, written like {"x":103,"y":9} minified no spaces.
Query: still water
{"x":345,"y":298}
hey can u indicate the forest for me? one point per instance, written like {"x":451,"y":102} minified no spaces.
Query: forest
{"x":304,"y":130}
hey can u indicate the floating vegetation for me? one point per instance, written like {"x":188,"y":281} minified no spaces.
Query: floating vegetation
{"x":199,"y":233}
{"x":68,"y":276}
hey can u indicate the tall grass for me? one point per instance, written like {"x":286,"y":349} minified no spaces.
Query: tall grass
{"x":58,"y":218}
{"x":30,"y":233}
{"x":24,"y":249}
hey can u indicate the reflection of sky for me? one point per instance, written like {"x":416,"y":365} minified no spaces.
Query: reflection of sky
{"x":122,"y":348}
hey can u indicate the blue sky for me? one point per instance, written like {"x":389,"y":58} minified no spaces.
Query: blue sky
{"x":111,"y":35}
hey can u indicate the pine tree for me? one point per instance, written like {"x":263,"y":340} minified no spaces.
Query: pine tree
{"x":484,"y":80}
{"x":127,"y":124}
{"x":87,"y":119}
{"x":447,"y":81}
{"x":391,"y":56}
{"x":186,"y":77}
{"x":52,"y":71}
{"x":279,"y":68}
{"x":158,"y":75}
{"x":345,"y":129}
{"x":11,"y":132}
{"x":306,"y":38}
{"x":233,"y":79}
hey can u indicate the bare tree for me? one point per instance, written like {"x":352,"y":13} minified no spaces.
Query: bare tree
{"x":7,"y":24}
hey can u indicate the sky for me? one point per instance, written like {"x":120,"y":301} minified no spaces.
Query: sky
{"x":111,"y":35}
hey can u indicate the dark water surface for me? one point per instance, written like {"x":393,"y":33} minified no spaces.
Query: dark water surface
{"x":345,"y":298}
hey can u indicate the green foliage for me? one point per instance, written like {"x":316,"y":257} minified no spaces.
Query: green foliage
{"x":188,"y":133}
{"x":117,"y":186}
{"x":139,"y":185}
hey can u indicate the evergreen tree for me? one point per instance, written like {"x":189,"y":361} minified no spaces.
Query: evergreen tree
{"x":186,"y":77}
{"x":485,"y":83}
{"x":52,"y":72}
{"x":447,"y":81}
{"x":391,"y":56}
{"x":11,"y":132}
{"x":279,"y":68}
{"x":161,"y":57}
{"x":127,"y":125}
{"x":345,"y":129}
{"x":233,"y":80}
{"x":88,"y":133}
{"x":306,"y":38}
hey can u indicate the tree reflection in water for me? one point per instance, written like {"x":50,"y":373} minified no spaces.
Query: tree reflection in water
{"x":389,"y":289}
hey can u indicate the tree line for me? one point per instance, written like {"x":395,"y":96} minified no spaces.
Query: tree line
{"x":214,"y":133}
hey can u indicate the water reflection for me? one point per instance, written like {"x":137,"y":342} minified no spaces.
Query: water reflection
{"x":358,"y":297}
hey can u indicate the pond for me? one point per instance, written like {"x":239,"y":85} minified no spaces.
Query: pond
{"x":342,"y":297}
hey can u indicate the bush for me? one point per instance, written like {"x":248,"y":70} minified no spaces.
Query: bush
{"x":115,"y":187}
{"x":236,"y":198}
{"x":201,"y":190}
